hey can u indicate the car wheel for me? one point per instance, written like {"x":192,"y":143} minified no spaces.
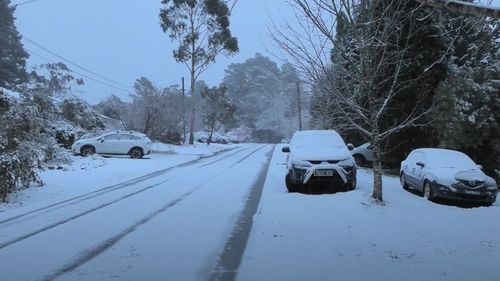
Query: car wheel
{"x":428,"y":194}
{"x":136,"y":153}
{"x":352,"y":185}
{"x":87,"y":150}
{"x":359,"y":159}
{"x":403,"y":182}
{"x":289,"y":184}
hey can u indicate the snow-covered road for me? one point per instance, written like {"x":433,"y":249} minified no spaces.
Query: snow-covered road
{"x":125,"y":231}
{"x":229,"y":217}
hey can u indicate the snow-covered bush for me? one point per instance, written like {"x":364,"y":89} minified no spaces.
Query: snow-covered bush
{"x":81,"y":114}
{"x":66,"y":133}
{"x":20,"y":154}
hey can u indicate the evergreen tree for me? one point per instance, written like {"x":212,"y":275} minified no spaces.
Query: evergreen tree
{"x":12,"y":55}
{"x":467,"y":114}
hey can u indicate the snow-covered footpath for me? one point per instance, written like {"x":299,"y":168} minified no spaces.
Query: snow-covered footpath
{"x":345,"y":237}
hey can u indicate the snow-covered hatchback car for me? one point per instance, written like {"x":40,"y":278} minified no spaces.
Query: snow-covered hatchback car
{"x":320,"y":157}
{"x":447,"y":174}
{"x":116,"y":143}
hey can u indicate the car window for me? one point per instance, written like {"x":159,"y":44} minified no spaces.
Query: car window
{"x":316,"y":140}
{"x":130,"y":137}
{"x":112,"y":137}
{"x":451,"y":159}
{"x":417,"y":157}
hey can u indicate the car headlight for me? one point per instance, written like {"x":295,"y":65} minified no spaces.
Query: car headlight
{"x":348,"y":168}
{"x":301,"y":164}
{"x":492,"y":188}
{"x":347,"y":162}
{"x":446,"y":187}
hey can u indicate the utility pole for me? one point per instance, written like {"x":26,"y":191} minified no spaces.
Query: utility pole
{"x":183,"y":114}
{"x":299,"y":106}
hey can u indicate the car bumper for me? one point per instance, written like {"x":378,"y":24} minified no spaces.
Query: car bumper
{"x":76,"y":149}
{"x":306,"y":175}
{"x":482,"y":196}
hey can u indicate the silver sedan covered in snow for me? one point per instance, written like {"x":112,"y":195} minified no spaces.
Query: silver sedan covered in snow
{"x":448,"y":174}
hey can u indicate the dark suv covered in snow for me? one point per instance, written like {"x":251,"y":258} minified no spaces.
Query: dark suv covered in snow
{"x":319,"y":159}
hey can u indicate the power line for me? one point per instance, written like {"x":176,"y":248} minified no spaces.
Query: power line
{"x":83,"y":75}
{"x":26,"y":2}
{"x":73,"y":71}
{"x":73,"y":63}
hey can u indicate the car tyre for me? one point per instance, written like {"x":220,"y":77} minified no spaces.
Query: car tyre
{"x":428,"y":194}
{"x":351,"y":185}
{"x":359,"y":159}
{"x":87,"y":150}
{"x":404,"y":184}
{"x":136,"y":153}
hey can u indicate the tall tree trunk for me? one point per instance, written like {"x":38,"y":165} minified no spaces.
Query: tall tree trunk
{"x":377,"y":166}
{"x":193,"y":97}
{"x":193,"y":81}
{"x":212,"y":127}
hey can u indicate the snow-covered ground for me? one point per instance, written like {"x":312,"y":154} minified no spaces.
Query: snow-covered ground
{"x":345,"y":236}
{"x":88,"y":174}
{"x":174,"y":223}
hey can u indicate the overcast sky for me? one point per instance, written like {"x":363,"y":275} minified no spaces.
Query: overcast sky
{"x":122,"y":39}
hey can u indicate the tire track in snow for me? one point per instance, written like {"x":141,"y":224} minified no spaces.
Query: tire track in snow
{"x":230,"y":259}
{"x":90,"y":253}
{"x":108,"y":189}
{"x":96,"y":208}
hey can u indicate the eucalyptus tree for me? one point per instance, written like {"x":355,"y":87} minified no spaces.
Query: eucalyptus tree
{"x":201,"y":30}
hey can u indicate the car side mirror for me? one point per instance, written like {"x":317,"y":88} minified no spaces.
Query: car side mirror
{"x":286,"y":149}
{"x":420,"y":164}
{"x":350,"y":146}
{"x":480,"y":167}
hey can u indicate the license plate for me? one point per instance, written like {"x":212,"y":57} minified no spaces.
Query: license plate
{"x":323,"y":173}
{"x":473,"y":192}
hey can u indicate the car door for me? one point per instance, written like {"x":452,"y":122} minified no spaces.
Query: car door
{"x":417,"y":170}
{"x":369,"y":153}
{"x":109,"y":144}
{"x":406,"y":168}
{"x":126,"y":143}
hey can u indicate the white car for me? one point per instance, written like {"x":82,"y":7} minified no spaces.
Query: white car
{"x":319,"y":157}
{"x":116,"y":143}
{"x":363,"y":153}
{"x":448,"y":174}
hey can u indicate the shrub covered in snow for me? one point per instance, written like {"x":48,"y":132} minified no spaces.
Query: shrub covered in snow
{"x":81,"y":114}
{"x":20,"y":154}
{"x":66,"y":133}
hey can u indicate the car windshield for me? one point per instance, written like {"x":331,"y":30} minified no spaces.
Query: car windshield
{"x":450,"y":159}
{"x":317,"y":141}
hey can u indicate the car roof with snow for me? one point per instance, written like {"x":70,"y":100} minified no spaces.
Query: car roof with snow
{"x":440,"y":157}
